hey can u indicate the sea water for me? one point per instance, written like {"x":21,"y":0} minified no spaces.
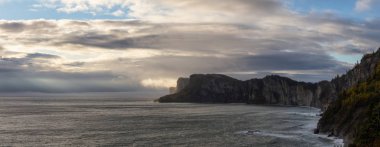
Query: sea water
{"x":89,"y":121}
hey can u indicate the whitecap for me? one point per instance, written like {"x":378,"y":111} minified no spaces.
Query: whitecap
{"x":263,"y":133}
{"x":304,"y":114}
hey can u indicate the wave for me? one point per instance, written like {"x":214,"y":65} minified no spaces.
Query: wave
{"x":310,"y":114}
{"x":262,"y":133}
{"x":336,"y":142}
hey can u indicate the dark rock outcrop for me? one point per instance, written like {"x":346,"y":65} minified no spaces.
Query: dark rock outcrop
{"x":215,"y":88}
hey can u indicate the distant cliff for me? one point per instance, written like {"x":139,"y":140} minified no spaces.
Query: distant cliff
{"x":182,"y":83}
{"x":210,"y":88}
{"x":216,"y":88}
{"x":354,"y":98}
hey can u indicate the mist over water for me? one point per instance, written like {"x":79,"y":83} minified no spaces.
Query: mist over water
{"x":86,"y":121}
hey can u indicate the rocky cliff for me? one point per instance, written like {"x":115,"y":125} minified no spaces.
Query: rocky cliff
{"x":355,"y":115}
{"x":181,"y":83}
{"x":354,"y":98}
{"x":361,"y":72}
{"x":284,"y":91}
{"x":215,"y":88}
{"x":210,"y":88}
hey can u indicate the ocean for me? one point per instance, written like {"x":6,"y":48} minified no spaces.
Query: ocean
{"x":104,"y":121}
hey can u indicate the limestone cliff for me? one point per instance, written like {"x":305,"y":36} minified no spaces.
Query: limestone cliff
{"x":215,"y":88}
{"x":281,"y":90}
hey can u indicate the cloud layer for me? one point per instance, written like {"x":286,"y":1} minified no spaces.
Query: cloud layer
{"x":174,"y":10}
{"x":167,"y":39}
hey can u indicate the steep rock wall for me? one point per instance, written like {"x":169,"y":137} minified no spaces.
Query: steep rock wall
{"x":216,"y":88}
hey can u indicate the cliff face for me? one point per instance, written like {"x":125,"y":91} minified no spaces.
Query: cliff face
{"x":214,"y":88}
{"x":181,"y":83}
{"x":280,"y":90}
{"x":210,"y":88}
{"x":359,"y":73}
{"x":355,"y":115}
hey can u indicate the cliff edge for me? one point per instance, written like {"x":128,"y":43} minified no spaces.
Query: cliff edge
{"x":355,"y":115}
{"x":216,"y":88}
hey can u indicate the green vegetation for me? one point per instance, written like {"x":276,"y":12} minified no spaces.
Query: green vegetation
{"x":369,"y":131}
{"x":356,"y":113}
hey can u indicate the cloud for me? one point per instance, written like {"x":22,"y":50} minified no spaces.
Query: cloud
{"x":118,"y":13}
{"x":150,"y":52}
{"x":289,"y":61}
{"x":158,"y":83}
{"x":173,"y":10}
{"x":13,"y":26}
{"x":75,"y":64}
{"x":169,"y":39}
{"x":364,"y":5}
{"x":24,"y":74}
{"x":17,"y":27}
{"x":43,"y":56}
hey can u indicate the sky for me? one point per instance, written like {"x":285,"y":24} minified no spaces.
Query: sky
{"x":64,"y":46}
